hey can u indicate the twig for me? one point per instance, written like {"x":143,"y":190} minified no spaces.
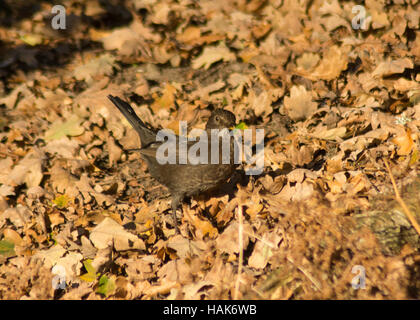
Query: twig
{"x":315,"y":282}
{"x":241,"y":251}
{"x":401,"y":201}
{"x":252,"y":234}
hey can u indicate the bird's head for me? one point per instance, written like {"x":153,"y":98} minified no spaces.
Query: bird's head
{"x":220,"y":119}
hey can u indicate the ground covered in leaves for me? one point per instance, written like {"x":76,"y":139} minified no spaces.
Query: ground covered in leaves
{"x":81,"y":218}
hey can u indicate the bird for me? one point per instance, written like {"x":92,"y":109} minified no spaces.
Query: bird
{"x":183,"y":179}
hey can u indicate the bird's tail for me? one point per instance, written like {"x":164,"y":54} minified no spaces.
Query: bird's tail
{"x":146,"y":134}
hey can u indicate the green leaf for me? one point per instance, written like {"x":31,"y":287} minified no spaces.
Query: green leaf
{"x":106,"y":286}
{"x":59,"y":129}
{"x":32,"y":39}
{"x":241,"y":126}
{"x":7,"y":248}
{"x":51,"y":237}
{"x":414,"y":157}
{"x":61,"y":201}
{"x":91,"y":274}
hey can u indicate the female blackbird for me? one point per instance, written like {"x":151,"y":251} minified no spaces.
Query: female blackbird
{"x":185,"y":177}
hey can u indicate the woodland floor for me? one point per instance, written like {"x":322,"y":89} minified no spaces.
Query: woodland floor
{"x":337,"y":103}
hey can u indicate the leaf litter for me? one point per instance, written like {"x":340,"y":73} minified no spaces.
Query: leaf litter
{"x":336,"y":103}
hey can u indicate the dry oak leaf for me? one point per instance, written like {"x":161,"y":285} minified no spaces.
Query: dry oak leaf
{"x":28,"y":170}
{"x":19,"y":216}
{"x":306,"y":63}
{"x":63,"y":181}
{"x":61,"y":129}
{"x":263,"y":250}
{"x":203,"y":228}
{"x":84,"y":186}
{"x":100,"y":66}
{"x":228,"y":240}
{"x":336,"y":185}
{"x":238,"y":81}
{"x":164,"y":288}
{"x":5,"y":169}
{"x":261,"y":104}
{"x":14,"y":99}
{"x":51,"y":255}
{"x":196,"y":290}
{"x":71,"y":262}
{"x":109,"y":230}
{"x":53,"y":99}
{"x":56,"y":257}
{"x":332,"y":64}
{"x":331,"y":134}
{"x":204,"y":93}
{"x":167,"y":100}
{"x":64,"y":147}
{"x":12,"y":236}
{"x":302,"y":191}
{"x":405,"y":143}
{"x":185,"y":248}
{"x":389,"y":67}
{"x":300,"y":156}
{"x":6,"y":190}
{"x":299,"y":105}
{"x":403,"y":85}
{"x":211,"y":55}
{"x":125,"y":40}
{"x":189,"y":35}
{"x":379,"y":18}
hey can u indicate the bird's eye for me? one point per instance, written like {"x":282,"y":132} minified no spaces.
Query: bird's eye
{"x":216,"y":118}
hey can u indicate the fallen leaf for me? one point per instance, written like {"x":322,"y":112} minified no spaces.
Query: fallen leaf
{"x":263,"y":250}
{"x":228,"y":240}
{"x":405,"y":143}
{"x":389,"y":67}
{"x":106,"y":286}
{"x":60,"y":130}
{"x":331,"y":134}
{"x":261,"y":104}
{"x":100,"y":66}
{"x":28,"y":170}
{"x":299,"y":105}
{"x":332,"y":64}
{"x":7,"y":248}
{"x":64,"y":146}
{"x":12,"y":236}
{"x":167,"y":100}
{"x":52,"y":255}
{"x":61,"y":201}
{"x":211,"y":55}
{"x":6,"y":190}
{"x":307,"y":63}
{"x":109,"y":230}
{"x":90,"y":274}
{"x":32,"y":39}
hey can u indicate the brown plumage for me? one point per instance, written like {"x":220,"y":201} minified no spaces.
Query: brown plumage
{"x":182,"y":180}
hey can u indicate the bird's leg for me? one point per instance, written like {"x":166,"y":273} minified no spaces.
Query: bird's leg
{"x":176,"y":199}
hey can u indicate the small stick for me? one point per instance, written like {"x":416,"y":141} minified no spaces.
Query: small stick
{"x":315,"y":282}
{"x":241,"y":251}
{"x":401,"y":201}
